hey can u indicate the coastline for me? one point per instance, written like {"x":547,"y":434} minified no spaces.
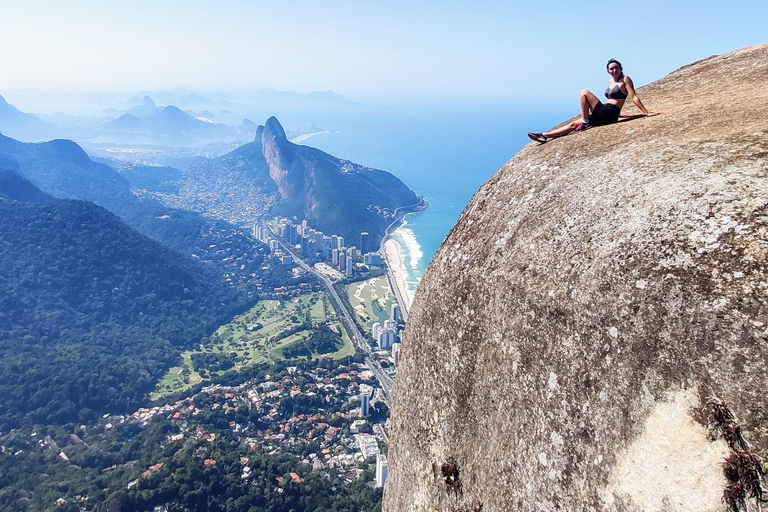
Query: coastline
{"x":305,"y":136}
{"x":390,"y":253}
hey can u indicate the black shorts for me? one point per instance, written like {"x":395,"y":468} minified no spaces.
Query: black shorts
{"x":604,"y":114}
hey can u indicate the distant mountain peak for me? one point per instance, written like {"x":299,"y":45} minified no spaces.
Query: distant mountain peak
{"x":148,"y":102}
{"x":274,"y":129}
{"x":170,"y":109}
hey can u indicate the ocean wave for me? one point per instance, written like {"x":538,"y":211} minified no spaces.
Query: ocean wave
{"x":412,"y":247}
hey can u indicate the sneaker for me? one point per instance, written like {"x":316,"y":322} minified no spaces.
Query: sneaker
{"x":538,"y":137}
{"x":583,"y":126}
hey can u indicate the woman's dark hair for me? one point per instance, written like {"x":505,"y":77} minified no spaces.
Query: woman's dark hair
{"x":611,"y":61}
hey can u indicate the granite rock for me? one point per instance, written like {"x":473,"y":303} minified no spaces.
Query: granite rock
{"x":595,"y":292}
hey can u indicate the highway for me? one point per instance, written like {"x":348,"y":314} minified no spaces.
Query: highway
{"x":358,"y":340}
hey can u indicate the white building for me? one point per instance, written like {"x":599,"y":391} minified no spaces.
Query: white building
{"x":396,"y":353}
{"x":376,"y":331}
{"x":369,"y":447}
{"x":382,"y":468}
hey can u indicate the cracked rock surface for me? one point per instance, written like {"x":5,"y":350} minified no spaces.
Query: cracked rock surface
{"x":593,"y":294}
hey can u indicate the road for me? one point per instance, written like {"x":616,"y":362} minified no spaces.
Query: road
{"x":358,"y":340}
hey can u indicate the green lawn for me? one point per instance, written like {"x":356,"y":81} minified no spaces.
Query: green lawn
{"x":245,"y":342}
{"x":371,"y":300}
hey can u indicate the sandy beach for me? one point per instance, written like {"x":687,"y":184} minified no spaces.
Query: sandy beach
{"x":395,"y":265}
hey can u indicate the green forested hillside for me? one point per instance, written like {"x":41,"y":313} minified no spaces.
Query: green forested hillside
{"x":92,"y":312}
{"x":62,"y":169}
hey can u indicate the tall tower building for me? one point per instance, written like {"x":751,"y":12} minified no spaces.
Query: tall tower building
{"x":350,"y":266}
{"x":396,"y":353}
{"x":352,"y":253}
{"x":387,"y":338}
{"x":382,"y":468}
{"x":340,"y":242}
{"x":364,"y":242}
{"x":365,"y":404}
{"x":394,"y":312}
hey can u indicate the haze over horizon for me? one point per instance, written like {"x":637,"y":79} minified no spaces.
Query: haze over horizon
{"x":394,"y":51}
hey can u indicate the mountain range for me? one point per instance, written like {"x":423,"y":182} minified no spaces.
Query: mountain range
{"x":62,"y":169}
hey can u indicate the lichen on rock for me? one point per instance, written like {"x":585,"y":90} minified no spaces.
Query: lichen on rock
{"x":591,"y":296}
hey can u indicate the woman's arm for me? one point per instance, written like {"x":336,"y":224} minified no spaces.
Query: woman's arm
{"x":635,"y":99}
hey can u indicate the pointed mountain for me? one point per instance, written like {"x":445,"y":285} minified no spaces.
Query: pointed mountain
{"x":147,"y":102}
{"x":146,"y":109}
{"x":279,"y":154}
{"x":272,"y":176}
{"x":169,"y":124}
{"x":247,"y":130}
{"x":126,"y":122}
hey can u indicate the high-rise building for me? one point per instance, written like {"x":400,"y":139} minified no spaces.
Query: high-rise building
{"x":382,"y":468}
{"x":335,"y":257}
{"x":365,"y":404}
{"x":340,"y":242}
{"x":394,"y":312}
{"x":364,"y":242}
{"x":342,"y":261}
{"x":387,"y":338}
{"x":350,"y":266}
{"x":376,"y":331}
{"x":396,"y":353}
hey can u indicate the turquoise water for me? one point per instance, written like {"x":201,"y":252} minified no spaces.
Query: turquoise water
{"x":444,"y":153}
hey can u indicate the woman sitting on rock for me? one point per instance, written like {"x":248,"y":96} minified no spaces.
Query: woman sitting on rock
{"x":596,"y":113}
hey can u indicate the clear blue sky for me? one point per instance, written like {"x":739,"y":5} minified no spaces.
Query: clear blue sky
{"x":363,"y":49}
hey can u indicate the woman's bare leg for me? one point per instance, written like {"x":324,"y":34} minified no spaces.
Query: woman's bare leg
{"x":587,"y":101}
{"x":563,"y":130}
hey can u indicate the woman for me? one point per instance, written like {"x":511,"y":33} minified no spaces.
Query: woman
{"x":596,"y":113}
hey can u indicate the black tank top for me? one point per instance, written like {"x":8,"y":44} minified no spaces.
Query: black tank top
{"x":615,"y":93}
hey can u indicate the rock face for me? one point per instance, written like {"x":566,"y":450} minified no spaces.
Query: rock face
{"x":336,"y":196}
{"x":596,"y":291}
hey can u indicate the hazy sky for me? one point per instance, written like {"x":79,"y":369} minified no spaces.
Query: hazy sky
{"x":363,"y":49}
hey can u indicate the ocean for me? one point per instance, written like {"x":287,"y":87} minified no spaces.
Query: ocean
{"x":444,"y":153}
